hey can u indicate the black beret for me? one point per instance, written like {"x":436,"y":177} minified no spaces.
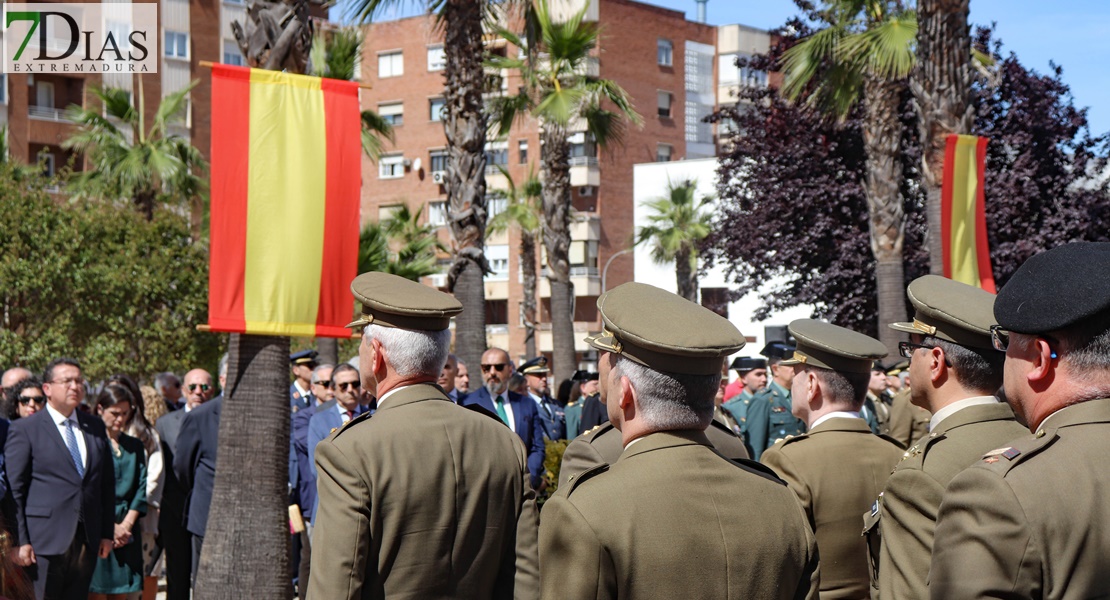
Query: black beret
{"x":1056,"y":289}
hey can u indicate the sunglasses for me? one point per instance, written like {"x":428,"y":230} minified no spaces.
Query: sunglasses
{"x":204,"y":387}
{"x":348,"y":385}
{"x":324,"y":382}
{"x":40,"y":400}
{"x":496,"y":367}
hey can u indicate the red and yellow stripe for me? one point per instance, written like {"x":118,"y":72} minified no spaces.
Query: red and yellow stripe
{"x":286,"y":172}
{"x":963,"y":219}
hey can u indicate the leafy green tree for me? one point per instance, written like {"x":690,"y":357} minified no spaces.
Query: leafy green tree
{"x":400,"y":245}
{"x":98,"y":282}
{"x":127,"y":160}
{"x":524,"y":211}
{"x":678,"y":224}
{"x":558,"y":90}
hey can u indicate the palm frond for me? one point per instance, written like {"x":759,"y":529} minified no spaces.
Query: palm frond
{"x":885,"y":48}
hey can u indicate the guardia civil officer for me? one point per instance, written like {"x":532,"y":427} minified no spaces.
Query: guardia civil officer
{"x":1031,"y":519}
{"x":671,"y":518}
{"x":424,"y":498}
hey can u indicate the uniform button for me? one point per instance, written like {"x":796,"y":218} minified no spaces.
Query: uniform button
{"x":1040,"y":433}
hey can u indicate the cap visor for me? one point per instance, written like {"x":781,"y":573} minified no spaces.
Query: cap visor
{"x":905,"y":328}
{"x":790,"y":362}
{"x":357,"y":323}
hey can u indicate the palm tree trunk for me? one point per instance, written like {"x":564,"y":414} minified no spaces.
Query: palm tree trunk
{"x":686,"y":276}
{"x":555,"y":165}
{"x":887,"y":221}
{"x":465,"y":126}
{"x":328,"y":351}
{"x":246,"y":549}
{"x":528,"y":303}
{"x":941,"y":88}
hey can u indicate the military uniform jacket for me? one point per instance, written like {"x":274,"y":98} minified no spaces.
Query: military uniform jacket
{"x":425,"y":499}
{"x":837,"y":470}
{"x":907,"y":422}
{"x":672,"y":518}
{"x":1031,"y":520}
{"x":905,"y":516}
{"x":770,"y":419}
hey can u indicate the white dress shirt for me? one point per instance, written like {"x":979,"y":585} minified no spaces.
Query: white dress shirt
{"x":957,"y":406}
{"x":60,"y":422}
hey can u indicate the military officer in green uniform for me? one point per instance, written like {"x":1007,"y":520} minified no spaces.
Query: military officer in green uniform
{"x":752,"y":378}
{"x":839,"y":466}
{"x":671,"y":518}
{"x":587,"y":381}
{"x":425,"y":499}
{"x":1031,"y":518}
{"x":769,"y":419}
{"x":954,"y":372}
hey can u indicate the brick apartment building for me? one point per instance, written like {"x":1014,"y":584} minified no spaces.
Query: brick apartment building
{"x":666,"y":63}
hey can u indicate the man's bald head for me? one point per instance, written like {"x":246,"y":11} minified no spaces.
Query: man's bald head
{"x":13,"y":376}
{"x":198,"y":388}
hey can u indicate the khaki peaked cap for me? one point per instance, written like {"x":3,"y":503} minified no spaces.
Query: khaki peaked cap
{"x":829,"y":346}
{"x":949,"y":310}
{"x":393,"y":301}
{"x":664,"y":331}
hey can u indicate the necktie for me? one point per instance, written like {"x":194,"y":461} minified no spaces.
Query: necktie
{"x":350,"y":415}
{"x":500,"y":406}
{"x":545,"y":407}
{"x":74,"y":451}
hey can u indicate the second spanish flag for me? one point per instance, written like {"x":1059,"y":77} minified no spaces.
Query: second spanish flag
{"x":286,"y":172}
{"x":964,"y":225}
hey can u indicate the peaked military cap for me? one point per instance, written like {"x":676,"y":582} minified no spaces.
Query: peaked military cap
{"x":303,"y":357}
{"x":822,"y":344}
{"x":393,"y":301}
{"x":664,"y":331}
{"x":1056,"y":289}
{"x":585,"y":376}
{"x":536,"y":366}
{"x":897,"y":367}
{"x":777,"y":350}
{"x":949,"y":310}
{"x":743,"y":364}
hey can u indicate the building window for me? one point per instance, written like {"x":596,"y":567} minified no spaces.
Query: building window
{"x":44,"y":94}
{"x":582,"y":146}
{"x":437,"y":58}
{"x":438,"y":160}
{"x":663,"y":153}
{"x":665,"y":53}
{"x":391,"y":166}
{"x":665,"y":101}
{"x":522,"y":152}
{"x":177,"y":44}
{"x":387,"y":212}
{"x":498,"y":257}
{"x":391,"y":64}
{"x":437,"y":213}
{"x":48,"y":165}
{"x":436,"y":109}
{"x":232,"y":55}
{"x":495,"y":205}
{"x":497,"y":153}
{"x":392,"y":113}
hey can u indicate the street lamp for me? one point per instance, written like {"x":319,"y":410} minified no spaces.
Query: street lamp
{"x":605,"y":271}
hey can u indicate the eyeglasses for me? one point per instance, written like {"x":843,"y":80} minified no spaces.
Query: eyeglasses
{"x":78,"y":381}
{"x":906,"y":349}
{"x":324,"y":382}
{"x":1000,"y":339}
{"x":40,"y":400}
{"x":346,"y":385}
{"x":495,"y":367}
{"x":204,"y":387}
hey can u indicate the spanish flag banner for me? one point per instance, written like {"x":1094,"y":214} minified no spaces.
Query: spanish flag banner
{"x":286,"y":171}
{"x":963,"y":220}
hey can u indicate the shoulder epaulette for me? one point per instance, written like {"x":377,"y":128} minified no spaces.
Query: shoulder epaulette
{"x":790,"y":439}
{"x":478,"y":408}
{"x":584,"y":475}
{"x":892,"y":440}
{"x":722,"y":427}
{"x":757,"y":466}
{"x":596,"y":430}
{"x":359,"y":419}
{"x":1001,"y":460}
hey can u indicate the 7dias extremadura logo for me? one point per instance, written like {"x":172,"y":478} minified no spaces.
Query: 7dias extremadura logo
{"x":80,"y":38}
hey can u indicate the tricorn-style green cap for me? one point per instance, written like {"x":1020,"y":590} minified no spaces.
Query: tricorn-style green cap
{"x":393,"y":301}
{"x":664,"y":331}
{"x":822,"y":344}
{"x":951,"y":311}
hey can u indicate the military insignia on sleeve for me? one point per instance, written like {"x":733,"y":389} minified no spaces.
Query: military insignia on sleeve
{"x":778,"y":409}
{"x":990,"y":460}
{"x":296,"y":395}
{"x":333,"y":430}
{"x":1011,"y":453}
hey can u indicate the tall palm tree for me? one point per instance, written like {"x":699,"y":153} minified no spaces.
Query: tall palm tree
{"x":400,"y":245}
{"x":864,"y":55}
{"x":678,"y":223}
{"x":941,"y":86}
{"x":558,"y":90}
{"x":127,"y":160}
{"x":524,"y":211}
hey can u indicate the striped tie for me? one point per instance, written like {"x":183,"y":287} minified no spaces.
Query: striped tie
{"x":74,"y":451}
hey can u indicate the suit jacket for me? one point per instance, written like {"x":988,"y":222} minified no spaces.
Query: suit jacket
{"x":172,"y":509}
{"x":325,"y":419}
{"x":528,"y":426}
{"x":195,"y":463}
{"x":424,"y":499}
{"x":906,"y":513}
{"x":554,"y":420}
{"x":306,"y":468}
{"x":299,"y":401}
{"x":1031,"y":520}
{"x":47,"y":491}
{"x":837,"y":470}
{"x":617,"y":532}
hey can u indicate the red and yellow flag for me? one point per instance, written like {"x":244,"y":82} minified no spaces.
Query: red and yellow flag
{"x":963,"y":221}
{"x":286,"y":171}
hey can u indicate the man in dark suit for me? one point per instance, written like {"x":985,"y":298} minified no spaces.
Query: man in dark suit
{"x":518,"y":412}
{"x":331,"y":416}
{"x":447,"y":379}
{"x":63,"y":485}
{"x":195,"y":467}
{"x":171,"y":521}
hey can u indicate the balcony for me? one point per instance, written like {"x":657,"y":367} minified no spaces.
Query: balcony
{"x":581,"y":330}
{"x":586,"y":282}
{"x":47,"y":113}
{"x":584,"y":170}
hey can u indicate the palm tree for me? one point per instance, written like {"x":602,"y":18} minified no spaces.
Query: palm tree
{"x":678,"y":223}
{"x":524,"y":211}
{"x":865,"y":54}
{"x":941,"y":86}
{"x":558,"y":90}
{"x":400,"y":245}
{"x":129,"y":161}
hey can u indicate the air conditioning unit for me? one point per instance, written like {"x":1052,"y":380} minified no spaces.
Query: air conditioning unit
{"x":439,"y":177}
{"x":586,"y":190}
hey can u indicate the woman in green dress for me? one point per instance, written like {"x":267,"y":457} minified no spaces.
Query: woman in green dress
{"x":120,"y":576}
